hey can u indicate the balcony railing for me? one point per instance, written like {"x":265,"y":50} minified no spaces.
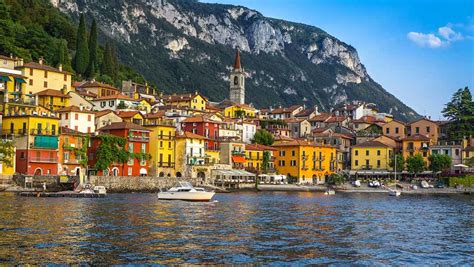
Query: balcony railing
{"x":238,"y":153}
{"x":139,"y":138}
{"x":43,"y":132}
{"x":319,"y":158}
{"x":165,"y":164}
{"x":43,"y":160}
{"x":367,"y":167}
{"x":166,"y":137}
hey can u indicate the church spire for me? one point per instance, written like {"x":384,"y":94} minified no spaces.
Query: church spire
{"x":237,"y":60}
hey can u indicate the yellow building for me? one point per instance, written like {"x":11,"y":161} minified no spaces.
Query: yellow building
{"x":239,"y":111}
{"x":190,"y":101}
{"x":416,"y":144}
{"x":307,"y":161}
{"x":371,"y":155}
{"x":13,"y":97}
{"x":97,"y":89}
{"x":41,"y":77}
{"x":189,"y":152}
{"x":144,"y":105}
{"x":162,"y":148}
{"x":254,"y":154}
{"x":53,"y":99}
{"x":131,"y":116}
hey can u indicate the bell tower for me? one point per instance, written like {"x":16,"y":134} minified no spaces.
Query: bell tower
{"x":237,"y":82}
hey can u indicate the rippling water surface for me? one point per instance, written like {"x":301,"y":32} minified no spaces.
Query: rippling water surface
{"x":261,"y":228}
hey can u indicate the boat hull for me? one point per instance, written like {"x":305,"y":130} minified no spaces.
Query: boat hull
{"x":186,"y":196}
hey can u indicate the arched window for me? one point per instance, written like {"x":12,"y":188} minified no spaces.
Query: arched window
{"x":162,"y":174}
{"x":115,"y":171}
{"x":178,"y":174}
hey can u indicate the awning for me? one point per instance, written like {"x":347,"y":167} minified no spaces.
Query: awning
{"x":5,"y":79}
{"x":238,"y":159}
{"x":143,"y":171}
{"x":240,"y":173}
{"x":20,"y":80}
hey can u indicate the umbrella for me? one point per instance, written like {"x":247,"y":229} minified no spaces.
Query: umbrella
{"x":460,"y":166}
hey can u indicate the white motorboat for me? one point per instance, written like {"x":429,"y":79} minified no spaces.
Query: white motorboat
{"x":185,"y":191}
{"x":394,"y":193}
{"x":330,"y":192}
{"x":99,"y":189}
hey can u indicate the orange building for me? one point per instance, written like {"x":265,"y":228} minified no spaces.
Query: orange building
{"x":72,"y":152}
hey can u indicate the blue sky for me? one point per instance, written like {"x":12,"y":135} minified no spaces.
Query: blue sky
{"x":421,"y":50}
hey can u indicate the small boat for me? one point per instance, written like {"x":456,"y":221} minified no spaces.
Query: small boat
{"x":185,"y":191}
{"x":99,"y":189}
{"x":330,"y":192}
{"x":394,"y":193}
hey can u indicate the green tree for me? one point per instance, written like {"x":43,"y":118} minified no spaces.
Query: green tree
{"x":263,"y":137}
{"x":439,"y":162}
{"x":336,"y":179}
{"x":63,"y":55}
{"x":109,"y":61}
{"x":91,"y":69}
{"x":460,"y":113}
{"x":266,"y":161}
{"x":81,"y":59}
{"x":111,"y":149}
{"x":416,"y":164}
{"x":400,"y":162}
{"x":7,"y":152}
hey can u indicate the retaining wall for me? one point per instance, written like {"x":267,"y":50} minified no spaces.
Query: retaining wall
{"x":138,"y":183}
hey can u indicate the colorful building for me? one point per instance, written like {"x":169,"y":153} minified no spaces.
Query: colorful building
{"x":133,"y":116}
{"x":371,"y":155}
{"x":36,"y":139}
{"x":40,"y":77}
{"x":77,"y":119}
{"x":307,"y":161}
{"x":416,"y":144}
{"x":396,"y":129}
{"x":425,"y":127}
{"x":254,"y":155}
{"x":233,"y":153}
{"x":73,"y":153}
{"x":96,"y":89}
{"x":194,"y":101}
{"x":189,"y":152}
{"x":240,"y":111}
{"x":13,"y":96}
{"x":114,"y":102}
{"x":162,"y":148}
{"x":204,"y":126}
{"x":137,"y":142}
{"x":106,"y":117}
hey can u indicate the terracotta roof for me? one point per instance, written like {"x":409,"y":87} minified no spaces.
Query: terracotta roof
{"x":295,"y":142}
{"x":74,"y":109}
{"x":116,"y":96}
{"x":321,"y":117}
{"x":282,"y":138}
{"x":189,"y":135}
{"x":155,"y":115}
{"x":305,"y":112}
{"x":127,"y":114}
{"x":124,"y":125}
{"x":86,"y":93}
{"x":199,"y":119}
{"x":321,"y":130}
{"x":290,"y":120}
{"x":339,"y":135}
{"x":258,"y":147}
{"x":416,"y":137}
{"x":101,"y":113}
{"x":371,"y":143}
{"x":93,"y":84}
{"x":186,"y":97}
{"x":237,"y":60}
{"x":285,"y":110}
{"x":52,"y":92}
{"x":6,"y":57}
{"x":336,"y":119}
{"x":420,"y":119}
{"x":35,"y":65}
{"x":397,"y":121}
{"x":66,"y":130}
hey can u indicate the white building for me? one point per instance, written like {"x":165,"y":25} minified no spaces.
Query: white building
{"x":77,"y":118}
{"x":114,"y":102}
{"x":247,"y":129}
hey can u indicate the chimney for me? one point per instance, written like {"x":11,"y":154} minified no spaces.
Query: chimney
{"x":60,"y":67}
{"x":11,"y":55}
{"x":81,"y":107}
{"x":36,"y":100}
{"x":41,"y":60}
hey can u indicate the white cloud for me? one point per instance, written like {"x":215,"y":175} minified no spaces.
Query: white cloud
{"x":442,"y":38}
{"x":449,"y":34}
{"x":422,"y":39}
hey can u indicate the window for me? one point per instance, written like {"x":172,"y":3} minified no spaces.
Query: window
{"x":143,"y":150}
{"x":396,"y":130}
{"x":22,"y":155}
{"x":427,"y":129}
{"x":357,"y":152}
{"x":356,"y":162}
{"x":65,"y":77}
{"x":456,"y":152}
{"x":417,"y":130}
{"x":31,"y":72}
{"x":45,"y":84}
{"x":387,"y":130}
{"x":130,"y":169}
{"x":293,"y":153}
{"x":130,"y":161}
{"x":378,"y":152}
{"x":367,"y":163}
{"x":89,"y":117}
{"x":31,"y":81}
{"x":88,"y":129}
{"x":161,"y":144}
{"x":66,"y":156}
{"x":293,"y":163}
{"x":111,"y":103}
{"x":169,"y":144}
{"x":46,"y":74}
{"x":76,"y":116}
{"x":282,"y":153}
{"x":378,"y":163}
{"x":367,"y":152}
{"x":425,"y":154}
{"x":102,"y":104}
{"x":281,"y":163}
{"x":130,"y":147}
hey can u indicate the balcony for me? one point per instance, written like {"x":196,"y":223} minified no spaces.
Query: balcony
{"x":43,"y":160}
{"x":165,"y":164}
{"x":304,"y":157}
{"x":238,"y":153}
{"x":45,"y":132}
{"x":322,"y":158}
{"x":366,"y":167}
{"x":139,"y":138}
{"x":71,"y":161}
{"x":165,"y":137}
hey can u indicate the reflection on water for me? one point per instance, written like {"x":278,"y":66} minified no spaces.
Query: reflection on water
{"x":279,"y":228}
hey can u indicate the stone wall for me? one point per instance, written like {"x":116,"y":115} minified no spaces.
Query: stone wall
{"x":139,"y":183}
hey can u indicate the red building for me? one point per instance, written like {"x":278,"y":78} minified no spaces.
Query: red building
{"x":201,"y":125}
{"x":138,"y":138}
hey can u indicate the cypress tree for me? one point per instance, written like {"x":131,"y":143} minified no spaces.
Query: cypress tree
{"x":107,"y":61}
{"x":81,"y":59}
{"x":62,"y":55}
{"x":91,"y":69}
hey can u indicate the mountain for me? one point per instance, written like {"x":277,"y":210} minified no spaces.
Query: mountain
{"x":186,"y":46}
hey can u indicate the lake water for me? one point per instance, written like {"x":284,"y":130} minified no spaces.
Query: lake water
{"x":263,"y":228}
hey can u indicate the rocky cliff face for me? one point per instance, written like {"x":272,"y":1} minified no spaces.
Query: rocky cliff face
{"x":186,"y":45}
